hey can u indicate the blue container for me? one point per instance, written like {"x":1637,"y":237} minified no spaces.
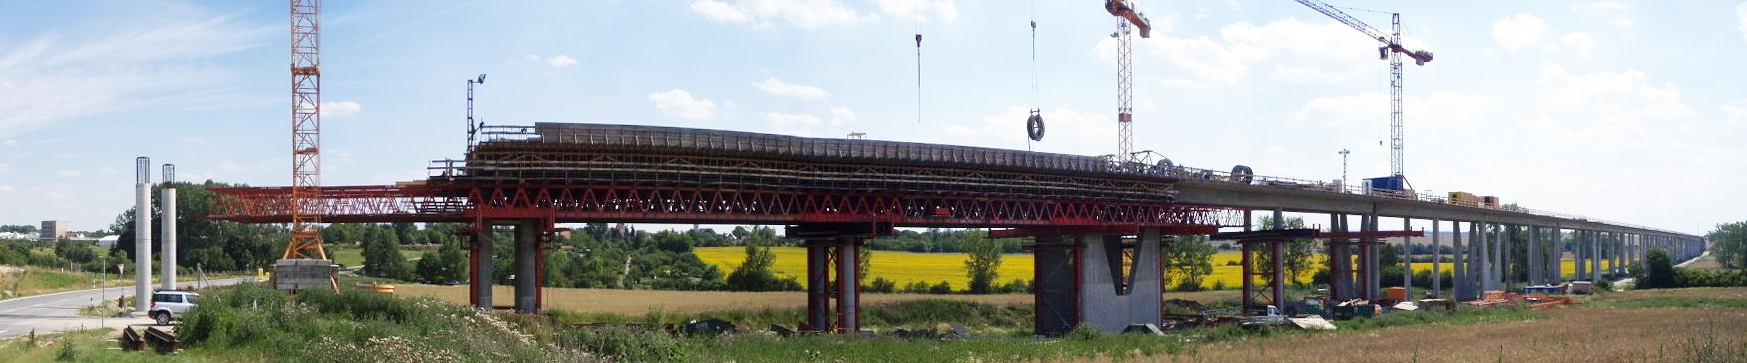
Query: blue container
{"x":1396,"y":183}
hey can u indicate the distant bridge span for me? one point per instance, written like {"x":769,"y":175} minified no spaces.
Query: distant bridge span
{"x":1089,"y":216}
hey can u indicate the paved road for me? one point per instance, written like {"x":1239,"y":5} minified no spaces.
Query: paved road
{"x":60,"y":311}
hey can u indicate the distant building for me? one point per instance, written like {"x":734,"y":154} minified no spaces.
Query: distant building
{"x":108,"y":241}
{"x":53,"y":230}
{"x":11,"y":235}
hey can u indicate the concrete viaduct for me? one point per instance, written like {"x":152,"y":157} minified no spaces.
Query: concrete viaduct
{"x":1087,"y":217}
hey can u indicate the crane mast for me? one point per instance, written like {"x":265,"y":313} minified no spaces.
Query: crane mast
{"x":1128,"y":19}
{"x":1391,"y":50}
{"x":306,"y":194}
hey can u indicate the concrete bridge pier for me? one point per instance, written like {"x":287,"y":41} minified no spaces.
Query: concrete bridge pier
{"x":1340,"y":251}
{"x":528,"y":266}
{"x":834,"y":273}
{"x":1533,"y":257}
{"x":479,"y":257}
{"x":1371,"y":250}
{"x":1080,"y":280}
{"x":1460,"y":288}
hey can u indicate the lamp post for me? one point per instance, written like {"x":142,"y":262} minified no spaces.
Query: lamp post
{"x":1344,"y":153}
{"x":472,"y":128}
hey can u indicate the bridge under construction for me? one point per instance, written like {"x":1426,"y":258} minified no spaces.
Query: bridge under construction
{"x":1096,"y":224}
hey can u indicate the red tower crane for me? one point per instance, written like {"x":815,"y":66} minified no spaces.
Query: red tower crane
{"x":1129,"y":17}
{"x":1391,"y":50}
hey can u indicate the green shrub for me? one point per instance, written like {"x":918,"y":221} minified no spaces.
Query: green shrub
{"x":881,"y":285}
{"x":941,"y":288}
{"x":1084,"y":331}
{"x":622,"y":344}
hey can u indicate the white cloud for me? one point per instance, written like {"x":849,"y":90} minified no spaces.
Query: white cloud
{"x":1006,"y":129}
{"x":794,"y":124}
{"x":68,"y":173}
{"x":340,"y":109}
{"x":1519,"y":31}
{"x":680,"y":103}
{"x":806,"y":14}
{"x":778,"y":87}
{"x":5,"y":189}
{"x":944,"y":10}
{"x":720,"y":11}
{"x":1741,"y":13}
{"x":1365,"y":107}
{"x":1607,"y":110}
{"x":1737,"y":114}
{"x":1314,"y":52}
{"x":192,"y":140}
{"x":561,"y":61}
{"x":1620,"y":21}
{"x":108,"y":171}
{"x":1580,"y":40}
{"x":840,"y":116}
{"x":106,"y":68}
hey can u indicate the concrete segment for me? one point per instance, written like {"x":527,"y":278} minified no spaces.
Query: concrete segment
{"x":527,"y":268}
{"x":1105,"y":304}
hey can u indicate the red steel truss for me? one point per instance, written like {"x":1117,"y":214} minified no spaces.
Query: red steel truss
{"x":464,"y":201}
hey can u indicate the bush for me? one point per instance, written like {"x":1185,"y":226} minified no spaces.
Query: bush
{"x":1218,"y":285}
{"x":622,"y":344}
{"x":1187,"y":285}
{"x":1659,"y":271}
{"x":1085,"y":331}
{"x":940,"y":288}
{"x":880,"y":285}
{"x":916,"y":287}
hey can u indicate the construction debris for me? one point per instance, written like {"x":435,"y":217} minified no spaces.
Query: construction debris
{"x":1312,"y":322}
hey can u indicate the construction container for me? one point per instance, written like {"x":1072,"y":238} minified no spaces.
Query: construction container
{"x":1489,"y":201}
{"x":1581,"y":287}
{"x":1394,"y":183}
{"x":1464,"y":198}
{"x":1398,"y":293}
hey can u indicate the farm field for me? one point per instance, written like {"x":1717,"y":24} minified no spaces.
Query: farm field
{"x":906,"y":267}
{"x":638,"y":302}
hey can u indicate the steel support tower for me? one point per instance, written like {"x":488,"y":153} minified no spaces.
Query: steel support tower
{"x":306,"y":194}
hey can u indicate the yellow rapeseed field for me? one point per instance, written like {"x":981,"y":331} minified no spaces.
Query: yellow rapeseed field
{"x":906,"y":267}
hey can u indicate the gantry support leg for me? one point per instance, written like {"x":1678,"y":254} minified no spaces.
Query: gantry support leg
{"x":480,"y":256}
{"x":818,"y":286}
{"x":1056,"y":293}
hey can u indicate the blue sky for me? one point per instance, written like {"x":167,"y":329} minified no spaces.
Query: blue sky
{"x":1620,"y":110}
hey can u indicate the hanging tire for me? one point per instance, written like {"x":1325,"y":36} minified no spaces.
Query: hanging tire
{"x":1034,"y":127}
{"x":1163,"y":167}
{"x":1242,"y":174}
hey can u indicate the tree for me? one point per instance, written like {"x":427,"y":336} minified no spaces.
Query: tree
{"x":1189,"y":260}
{"x":406,"y":233}
{"x":1659,"y":271}
{"x":382,"y":255}
{"x":754,"y":273}
{"x":1729,"y":244}
{"x":1299,"y":252}
{"x":212,"y":244}
{"x":984,"y":263}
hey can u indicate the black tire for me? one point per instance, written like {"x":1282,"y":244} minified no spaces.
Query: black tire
{"x":162,"y":317}
{"x":1034,"y":127}
{"x":1242,"y":174}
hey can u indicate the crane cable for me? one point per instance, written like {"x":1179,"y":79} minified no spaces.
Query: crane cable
{"x":1034,"y":124}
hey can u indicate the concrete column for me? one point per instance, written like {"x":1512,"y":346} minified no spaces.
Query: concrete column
{"x":1476,"y":263}
{"x":1594,"y":242}
{"x":168,"y":265}
{"x":142,"y":237}
{"x":1372,"y":277}
{"x":527,"y":270}
{"x":482,"y":276}
{"x":818,"y":286}
{"x":1437,"y":260}
{"x":848,"y":291}
{"x":1407,"y":260}
{"x":1340,"y":271}
{"x":1278,"y":259}
{"x":1534,"y":255}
